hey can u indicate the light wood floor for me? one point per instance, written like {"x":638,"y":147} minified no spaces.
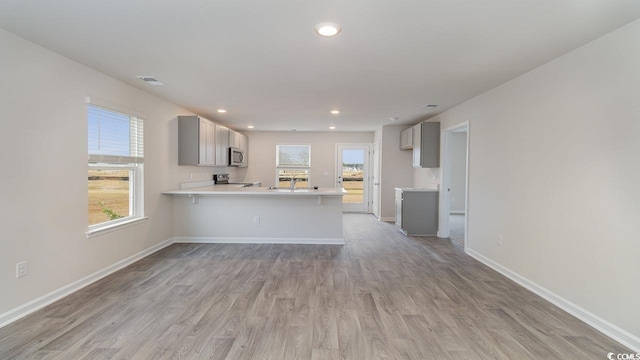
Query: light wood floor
{"x":382,"y":296}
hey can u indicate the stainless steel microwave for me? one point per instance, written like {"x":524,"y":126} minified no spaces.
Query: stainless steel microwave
{"x":236,"y":157}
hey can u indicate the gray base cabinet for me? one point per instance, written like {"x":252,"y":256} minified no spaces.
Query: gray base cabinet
{"x":417,"y":211}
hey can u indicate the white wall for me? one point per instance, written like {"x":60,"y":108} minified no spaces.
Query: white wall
{"x":458,"y":169}
{"x":554,"y":168}
{"x":262,"y":153}
{"x":426,"y":178}
{"x":43,"y":152}
{"x":396,"y":168}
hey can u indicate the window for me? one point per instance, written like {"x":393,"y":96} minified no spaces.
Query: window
{"x":293,"y":161}
{"x":115,"y":168}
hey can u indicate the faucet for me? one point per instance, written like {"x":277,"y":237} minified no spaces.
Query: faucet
{"x":293,"y":183}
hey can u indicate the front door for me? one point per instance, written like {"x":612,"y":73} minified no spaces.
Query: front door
{"x":353,"y":175}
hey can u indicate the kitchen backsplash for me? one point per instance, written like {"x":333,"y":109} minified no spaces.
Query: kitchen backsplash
{"x":426,"y":178}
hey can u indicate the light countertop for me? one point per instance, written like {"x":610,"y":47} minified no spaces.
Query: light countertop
{"x":416,"y":189}
{"x":234,"y":189}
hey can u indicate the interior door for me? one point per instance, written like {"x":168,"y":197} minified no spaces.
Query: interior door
{"x":353,"y":175}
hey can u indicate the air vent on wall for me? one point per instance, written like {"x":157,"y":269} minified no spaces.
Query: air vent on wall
{"x":150,"y":80}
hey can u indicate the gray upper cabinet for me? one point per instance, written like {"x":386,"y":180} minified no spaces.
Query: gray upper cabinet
{"x":406,"y":139}
{"x":426,"y":145}
{"x":196,"y":141}
{"x":202,"y":142}
{"x":240,"y":141}
{"x":222,"y":146}
{"x":244,"y":146}
{"x":235,"y":139}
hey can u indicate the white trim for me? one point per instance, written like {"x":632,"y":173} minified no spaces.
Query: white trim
{"x":21,"y":311}
{"x":445,"y":160}
{"x":387,"y":219}
{"x":363,"y":208}
{"x":114,"y":226}
{"x":136,"y":199}
{"x":375,"y":177}
{"x":233,"y":240}
{"x":616,"y":333}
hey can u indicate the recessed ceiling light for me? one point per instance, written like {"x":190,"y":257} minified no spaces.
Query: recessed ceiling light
{"x":335,"y":112}
{"x":327,"y":29}
{"x":249,"y":126}
{"x":332,"y":127}
{"x":395,"y":118}
{"x":222,"y":111}
{"x":151,"y":80}
{"x":429,"y":106}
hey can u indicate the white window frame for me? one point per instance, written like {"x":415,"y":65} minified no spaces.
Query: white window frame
{"x":136,"y":187}
{"x":288,"y":167}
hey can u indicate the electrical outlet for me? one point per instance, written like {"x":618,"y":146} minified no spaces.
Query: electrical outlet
{"x":22,"y":269}
{"x":499,"y":240}
{"x":256,"y":219}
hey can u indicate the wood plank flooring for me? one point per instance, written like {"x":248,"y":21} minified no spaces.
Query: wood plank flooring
{"x":381,"y":296}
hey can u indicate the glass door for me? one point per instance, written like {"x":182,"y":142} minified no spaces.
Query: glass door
{"x":353,"y":175}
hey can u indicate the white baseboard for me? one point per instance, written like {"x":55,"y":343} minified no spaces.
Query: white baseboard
{"x":232,"y":240}
{"x":387,"y":219}
{"x":37,"y":304}
{"x":616,"y":333}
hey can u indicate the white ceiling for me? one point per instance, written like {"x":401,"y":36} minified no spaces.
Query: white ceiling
{"x":262,"y":61}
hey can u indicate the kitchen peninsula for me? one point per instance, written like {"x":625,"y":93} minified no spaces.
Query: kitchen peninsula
{"x":237,"y":214}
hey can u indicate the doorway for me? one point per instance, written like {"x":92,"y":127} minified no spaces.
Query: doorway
{"x":454,"y":194}
{"x":353,"y":175}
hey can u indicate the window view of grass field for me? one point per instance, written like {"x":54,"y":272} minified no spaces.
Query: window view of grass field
{"x":108,"y":195}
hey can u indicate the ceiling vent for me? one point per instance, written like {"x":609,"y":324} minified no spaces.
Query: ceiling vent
{"x":429,"y":107}
{"x":150,"y":80}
